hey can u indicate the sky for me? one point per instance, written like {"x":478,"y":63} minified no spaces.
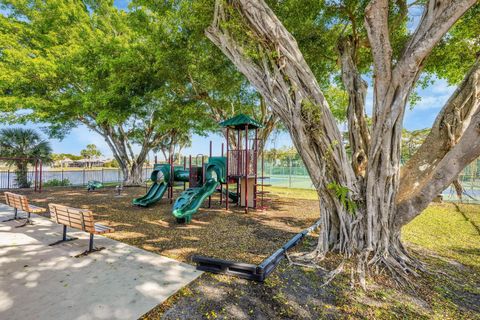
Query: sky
{"x":419,"y":117}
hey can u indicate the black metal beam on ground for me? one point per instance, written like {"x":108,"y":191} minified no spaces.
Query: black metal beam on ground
{"x":239,"y":269}
{"x":251,"y":271}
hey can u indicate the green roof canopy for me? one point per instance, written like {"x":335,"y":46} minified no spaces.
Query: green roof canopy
{"x":239,"y":122}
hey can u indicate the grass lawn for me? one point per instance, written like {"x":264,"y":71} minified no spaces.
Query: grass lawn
{"x":451,"y":231}
{"x":446,"y":237}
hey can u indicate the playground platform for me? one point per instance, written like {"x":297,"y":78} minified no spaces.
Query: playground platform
{"x":38,"y":281}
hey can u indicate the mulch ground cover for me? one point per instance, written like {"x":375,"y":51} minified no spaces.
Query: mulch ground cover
{"x":213,"y":231}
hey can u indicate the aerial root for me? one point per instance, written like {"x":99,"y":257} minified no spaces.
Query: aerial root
{"x":332,"y":274}
{"x":308,"y":257}
{"x":303,"y":264}
{"x":310,"y":260}
{"x":395,"y":262}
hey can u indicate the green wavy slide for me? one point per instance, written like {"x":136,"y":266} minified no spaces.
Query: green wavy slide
{"x":191,"y":199}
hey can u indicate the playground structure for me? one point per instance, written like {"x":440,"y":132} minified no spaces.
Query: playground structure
{"x":239,"y":167}
{"x":242,"y":163}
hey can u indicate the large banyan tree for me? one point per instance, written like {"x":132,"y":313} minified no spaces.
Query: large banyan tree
{"x":365,"y":195}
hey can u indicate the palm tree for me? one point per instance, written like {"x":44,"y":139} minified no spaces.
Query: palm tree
{"x":26,"y":146}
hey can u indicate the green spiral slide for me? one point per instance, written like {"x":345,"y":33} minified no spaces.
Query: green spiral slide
{"x":157,"y":189}
{"x":191,"y":199}
{"x":161,"y":183}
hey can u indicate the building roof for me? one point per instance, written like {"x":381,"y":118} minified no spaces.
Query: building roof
{"x":240,"y":121}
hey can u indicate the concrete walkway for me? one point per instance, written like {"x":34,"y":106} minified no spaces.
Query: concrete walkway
{"x":42,"y":282}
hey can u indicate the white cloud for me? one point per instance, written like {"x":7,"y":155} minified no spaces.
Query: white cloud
{"x":435,"y":96}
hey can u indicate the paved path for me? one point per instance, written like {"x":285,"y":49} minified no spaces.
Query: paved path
{"x":41,"y":282}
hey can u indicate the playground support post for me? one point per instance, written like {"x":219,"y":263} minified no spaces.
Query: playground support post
{"x":255,"y":170}
{"x":209,"y":157}
{"x":172,"y":179}
{"x":189,"y":170}
{"x":228,"y":172}
{"x":221,"y":185}
{"x":238,"y":169}
{"x":203,"y":169}
{"x":38,"y":175}
{"x":35,"y":183}
{"x":239,"y":155}
{"x":185,"y":168}
{"x":246,"y":168}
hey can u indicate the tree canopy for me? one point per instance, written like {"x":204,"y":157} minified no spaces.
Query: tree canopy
{"x":108,"y":69}
{"x":90,"y":152}
{"x":136,"y":77}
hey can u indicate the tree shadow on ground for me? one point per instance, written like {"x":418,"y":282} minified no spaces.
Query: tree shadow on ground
{"x":293,"y":292}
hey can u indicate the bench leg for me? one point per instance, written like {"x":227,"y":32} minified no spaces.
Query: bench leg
{"x":64,"y":237}
{"x":91,"y":248}
{"x":90,"y":243}
{"x":28,"y":220}
{"x":15,"y":216}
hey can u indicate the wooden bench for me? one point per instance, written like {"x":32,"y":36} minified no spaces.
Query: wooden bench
{"x":20,"y":202}
{"x":81,"y":219}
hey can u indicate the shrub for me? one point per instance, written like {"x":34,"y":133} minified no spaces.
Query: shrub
{"x":57,"y":183}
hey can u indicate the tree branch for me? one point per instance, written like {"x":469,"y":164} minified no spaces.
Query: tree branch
{"x":438,"y":17}
{"x":427,"y":173}
{"x":359,"y":135}
{"x":376,"y":22}
{"x":281,"y":74}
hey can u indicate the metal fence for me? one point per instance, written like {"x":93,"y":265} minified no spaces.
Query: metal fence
{"x":291,"y":175}
{"x":471,"y":190}
{"x":73,"y":177}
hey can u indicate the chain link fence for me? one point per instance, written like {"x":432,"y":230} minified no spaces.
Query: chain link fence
{"x":290,"y":174}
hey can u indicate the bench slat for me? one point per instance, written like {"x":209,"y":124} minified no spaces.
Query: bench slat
{"x":20,"y":202}
{"x":35,"y":209}
{"x":99,"y":229}
{"x":72,"y":217}
{"x":71,"y":224}
{"x":87,"y":218}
